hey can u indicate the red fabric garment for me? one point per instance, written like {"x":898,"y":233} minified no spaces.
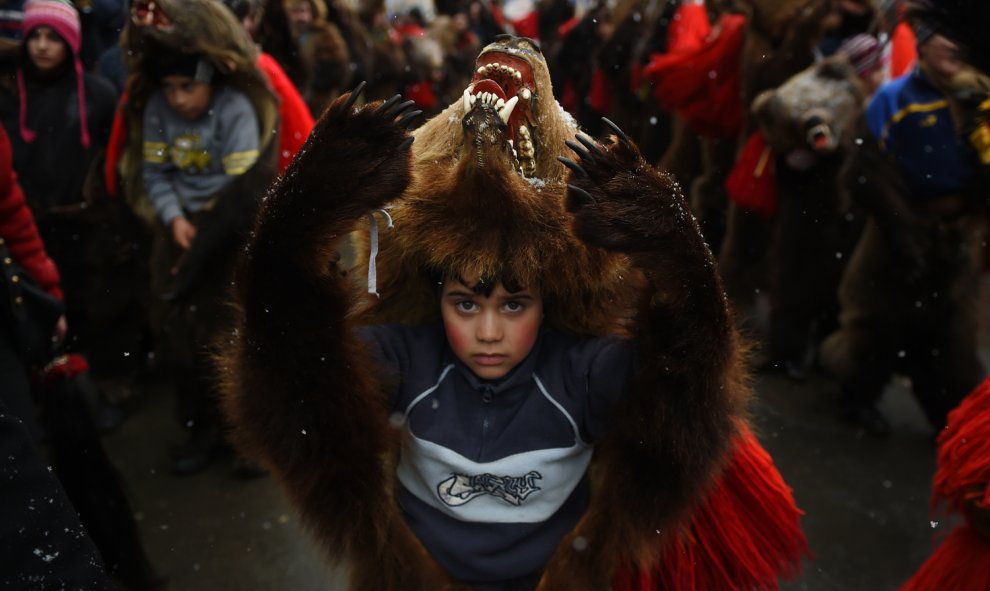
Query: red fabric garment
{"x":64,"y":367}
{"x":744,"y":535}
{"x":703,"y":86}
{"x":18,"y":229}
{"x":903,"y":50}
{"x":600,"y":93}
{"x":688,"y":29}
{"x":566,"y":27}
{"x":752,"y":183}
{"x":295,"y":121}
{"x":528,"y":26}
{"x":422,"y":94}
{"x":409,"y":29}
{"x":115,"y":146}
{"x":568,"y":98}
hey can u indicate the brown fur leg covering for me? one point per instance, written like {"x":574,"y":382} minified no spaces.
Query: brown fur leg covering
{"x":670,"y":434}
{"x":300,"y":389}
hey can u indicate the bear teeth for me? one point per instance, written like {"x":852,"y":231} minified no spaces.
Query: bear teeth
{"x":502,"y":70}
{"x":505,"y":108}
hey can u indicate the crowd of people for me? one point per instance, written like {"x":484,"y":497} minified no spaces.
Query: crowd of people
{"x":834,"y":154}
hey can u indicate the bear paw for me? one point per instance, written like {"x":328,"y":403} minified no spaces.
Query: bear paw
{"x":619,"y":202}
{"x":363,"y":152}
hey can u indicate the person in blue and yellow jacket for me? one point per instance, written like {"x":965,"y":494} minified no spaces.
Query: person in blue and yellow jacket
{"x":909,"y":296}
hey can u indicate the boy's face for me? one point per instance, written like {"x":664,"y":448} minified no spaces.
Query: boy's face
{"x":300,"y":17}
{"x":491,"y":334}
{"x":185,"y":96}
{"x":45,"y":48}
{"x":941,"y":59}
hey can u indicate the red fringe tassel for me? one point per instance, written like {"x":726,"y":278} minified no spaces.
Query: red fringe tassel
{"x":960,"y":563}
{"x":744,"y":536}
{"x":964,"y":453}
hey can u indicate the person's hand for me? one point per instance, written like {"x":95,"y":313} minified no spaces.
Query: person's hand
{"x":61,"y":329}
{"x":183,"y":232}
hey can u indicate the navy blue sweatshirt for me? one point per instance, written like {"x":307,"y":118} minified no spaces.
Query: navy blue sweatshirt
{"x":492,"y":473}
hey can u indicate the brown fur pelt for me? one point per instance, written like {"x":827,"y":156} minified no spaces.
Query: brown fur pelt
{"x":809,"y":121}
{"x":618,"y":253}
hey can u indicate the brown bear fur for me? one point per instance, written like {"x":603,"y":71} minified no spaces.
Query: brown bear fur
{"x":301,"y":390}
{"x":815,"y":231}
{"x":909,"y":297}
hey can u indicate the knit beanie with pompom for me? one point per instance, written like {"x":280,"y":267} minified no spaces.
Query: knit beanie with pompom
{"x":63,"y":18}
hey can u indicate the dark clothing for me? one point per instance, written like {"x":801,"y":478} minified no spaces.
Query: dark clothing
{"x":42,"y":543}
{"x":491,"y":473}
{"x":53,"y":112}
{"x":919,"y":322}
{"x":184,"y":329}
{"x":16,"y":391}
{"x":909,"y":297}
{"x":87,"y":236}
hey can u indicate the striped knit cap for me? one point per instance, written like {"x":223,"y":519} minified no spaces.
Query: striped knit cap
{"x":864,"y":53}
{"x":62,"y":17}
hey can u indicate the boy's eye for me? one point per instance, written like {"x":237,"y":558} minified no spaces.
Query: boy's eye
{"x":466,"y":306}
{"x":514,"y":306}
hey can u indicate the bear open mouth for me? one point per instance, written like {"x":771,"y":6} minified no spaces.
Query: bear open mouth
{"x":504,"y":84}
{"x":820,"y":138}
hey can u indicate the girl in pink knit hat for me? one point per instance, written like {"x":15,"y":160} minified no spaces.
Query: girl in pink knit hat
{"x":58,"y":118}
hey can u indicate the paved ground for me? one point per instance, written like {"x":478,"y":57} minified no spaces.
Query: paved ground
{"x":866,"y":499}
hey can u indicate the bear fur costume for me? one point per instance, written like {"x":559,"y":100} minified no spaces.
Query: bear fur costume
{"x":780,"y":42}
{"x":305,"y":399}
{"x":808,"y":122}
{"x":207,"y":28}
{"x":909,"y":298}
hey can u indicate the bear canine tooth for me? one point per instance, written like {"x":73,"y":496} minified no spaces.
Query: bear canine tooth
{"x":467,"y":100}
{"x":505,"y":111}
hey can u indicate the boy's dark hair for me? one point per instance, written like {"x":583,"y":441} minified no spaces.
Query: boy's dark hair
{"x":192,"y":65}
{"x":483,"y":286}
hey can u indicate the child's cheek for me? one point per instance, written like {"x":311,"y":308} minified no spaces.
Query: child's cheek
{"x":456,"y":338}
{"x":526,"y":336}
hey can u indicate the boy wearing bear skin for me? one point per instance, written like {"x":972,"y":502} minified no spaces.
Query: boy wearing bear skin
{"x":561,"y":406}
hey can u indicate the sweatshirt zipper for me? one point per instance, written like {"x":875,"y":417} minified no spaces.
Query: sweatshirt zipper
{"x":487,"y":395}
